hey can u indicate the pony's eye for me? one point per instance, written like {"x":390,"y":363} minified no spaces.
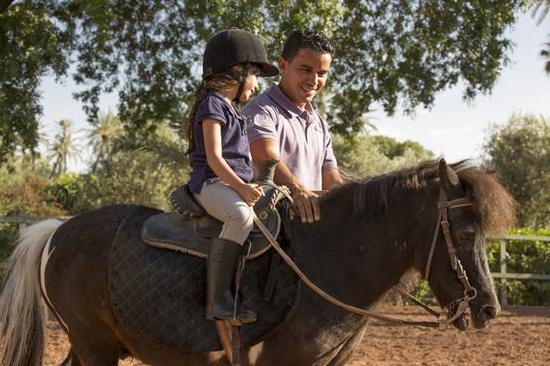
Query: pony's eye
{"x":466,"y":236}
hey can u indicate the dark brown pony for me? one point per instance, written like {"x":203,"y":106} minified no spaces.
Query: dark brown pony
{"x":370,"y":234}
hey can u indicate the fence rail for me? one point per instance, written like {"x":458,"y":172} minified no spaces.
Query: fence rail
{"x":504,"y":275}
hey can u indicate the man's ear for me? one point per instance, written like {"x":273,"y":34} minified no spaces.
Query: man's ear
{"x":282,"y":65}
{"x":449,"y":179}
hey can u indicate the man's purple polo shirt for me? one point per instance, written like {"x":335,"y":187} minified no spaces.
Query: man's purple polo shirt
{"x":305,"y":145}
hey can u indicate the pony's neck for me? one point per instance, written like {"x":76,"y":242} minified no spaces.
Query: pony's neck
{"x":358,"y":259}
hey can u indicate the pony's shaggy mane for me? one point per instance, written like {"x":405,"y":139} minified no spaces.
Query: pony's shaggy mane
{"x":493,"y":204}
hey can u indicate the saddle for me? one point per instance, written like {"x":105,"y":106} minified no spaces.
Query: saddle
{"x":159,"y":295}
{"x":190,"y":228}
{"x":268,"y":284}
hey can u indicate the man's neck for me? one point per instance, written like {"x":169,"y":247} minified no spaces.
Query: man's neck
{"x":301,"y":106}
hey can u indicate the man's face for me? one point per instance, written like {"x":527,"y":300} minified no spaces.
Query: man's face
{"x":304,"y":76}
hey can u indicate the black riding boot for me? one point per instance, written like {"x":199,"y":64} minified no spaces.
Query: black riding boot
{"x":222,"y":264}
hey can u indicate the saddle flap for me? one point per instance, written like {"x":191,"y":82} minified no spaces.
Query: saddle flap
{"x":192,"y":235}
{"x":181,"y":233}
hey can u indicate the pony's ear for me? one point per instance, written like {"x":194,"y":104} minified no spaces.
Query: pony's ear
{"x":449,"y":179}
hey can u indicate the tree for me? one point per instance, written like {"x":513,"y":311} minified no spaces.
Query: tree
{"x":138,"y":172}
{"x":34,"y":41}
{"x":102,"y":136}
{"x":24,"y":188}
{"x":149,"y":51}
{"x":540,"y":9}
{"x":367,"y":155}
{"x":519,"y":152}
{"x":545,"y":52}
{"x":62,"y":149}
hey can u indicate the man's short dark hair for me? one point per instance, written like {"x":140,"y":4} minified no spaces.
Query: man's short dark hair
{"x":306,"y":38}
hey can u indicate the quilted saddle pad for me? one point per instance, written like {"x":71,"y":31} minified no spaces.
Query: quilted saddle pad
{"x":160,"y":294}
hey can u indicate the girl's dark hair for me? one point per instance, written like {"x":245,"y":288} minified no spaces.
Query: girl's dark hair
{"x":217,"y":82}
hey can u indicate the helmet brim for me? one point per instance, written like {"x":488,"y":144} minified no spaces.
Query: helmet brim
{"x":268,"y":70}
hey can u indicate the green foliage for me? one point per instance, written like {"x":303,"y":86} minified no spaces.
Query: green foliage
{"x":35,"y":40}
{"x":367,"y":155}
{"x":8,"y":234}
{"x":24,"y":191}
{"x":63,"y":148}
{"x":134,"y":171}
{"x":150,"y":52}
{"x":518,"y":151}
{"x":545,"y":53}
{"x":524,"y":257}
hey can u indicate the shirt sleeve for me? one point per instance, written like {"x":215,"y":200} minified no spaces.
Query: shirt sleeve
{"x":261,"y":124}
{"x":329,"y":161}
{"x":210,"y":108}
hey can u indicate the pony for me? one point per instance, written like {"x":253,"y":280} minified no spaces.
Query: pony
{"x":370,"y":234}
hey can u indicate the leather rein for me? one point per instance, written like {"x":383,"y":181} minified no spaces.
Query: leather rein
{"x":445,"y":317}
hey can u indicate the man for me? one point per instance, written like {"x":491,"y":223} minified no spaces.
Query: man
{"x":285,"y":127}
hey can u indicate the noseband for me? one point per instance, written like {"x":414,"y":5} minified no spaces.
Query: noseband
{"x":461,"y":304}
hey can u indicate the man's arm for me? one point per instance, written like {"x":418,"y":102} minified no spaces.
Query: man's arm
{"x":331,"y":179}
{"x":305,"y":200}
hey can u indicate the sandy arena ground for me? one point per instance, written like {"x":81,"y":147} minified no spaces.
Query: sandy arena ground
{"x":520,"y":337}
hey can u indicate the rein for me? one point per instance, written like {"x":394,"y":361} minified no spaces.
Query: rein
{"x":462,"y":303}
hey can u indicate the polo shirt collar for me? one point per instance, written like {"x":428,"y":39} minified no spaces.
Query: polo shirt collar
{"x":232,"y":108}
{"x":277,"y":95}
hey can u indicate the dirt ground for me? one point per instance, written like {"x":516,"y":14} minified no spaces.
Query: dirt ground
{"x":520,"y":337}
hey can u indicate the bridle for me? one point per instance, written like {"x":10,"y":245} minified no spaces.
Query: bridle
{"x":461,"y":304}
{"x":470,"y":292}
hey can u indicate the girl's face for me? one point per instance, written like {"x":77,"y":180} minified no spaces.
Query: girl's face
{"x":250,"y":85}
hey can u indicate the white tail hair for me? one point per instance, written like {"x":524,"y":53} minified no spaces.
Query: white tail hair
{"x":22,"y":313}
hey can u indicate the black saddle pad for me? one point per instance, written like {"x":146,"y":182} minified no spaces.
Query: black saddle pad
{"x":159,"y":295}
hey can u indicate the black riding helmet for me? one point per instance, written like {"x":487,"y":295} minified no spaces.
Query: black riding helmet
{"x":232,"y":47}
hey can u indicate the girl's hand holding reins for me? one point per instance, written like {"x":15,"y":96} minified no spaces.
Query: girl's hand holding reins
{"x":250,"y":193}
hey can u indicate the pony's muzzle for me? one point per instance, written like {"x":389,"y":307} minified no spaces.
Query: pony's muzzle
{"x":489,"y":312}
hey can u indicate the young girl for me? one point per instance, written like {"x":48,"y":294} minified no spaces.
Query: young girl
{"x":220,"y":158}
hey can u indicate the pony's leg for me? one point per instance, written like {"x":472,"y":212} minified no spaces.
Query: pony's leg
{"x":346,"y":352}
{"x":93,"y":352}
{"x":71,"y":359}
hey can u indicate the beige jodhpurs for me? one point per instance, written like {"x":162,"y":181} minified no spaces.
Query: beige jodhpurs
{"x":224,"y":203}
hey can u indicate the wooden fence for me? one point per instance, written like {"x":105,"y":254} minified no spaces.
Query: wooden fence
{"x":503,"y":275}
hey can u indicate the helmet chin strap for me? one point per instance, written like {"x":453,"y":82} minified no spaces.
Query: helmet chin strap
{"x":242,"y":82}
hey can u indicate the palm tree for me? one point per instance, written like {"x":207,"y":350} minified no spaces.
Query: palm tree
{"x":545,"y":52}
{"x":540,"y":9}
{"x":102,"y":136}
{"x":62,"y":149}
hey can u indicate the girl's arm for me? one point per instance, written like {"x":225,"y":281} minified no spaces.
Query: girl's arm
{"x":211,"y":129}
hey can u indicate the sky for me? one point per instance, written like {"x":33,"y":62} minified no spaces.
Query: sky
{"x":451,"y":128}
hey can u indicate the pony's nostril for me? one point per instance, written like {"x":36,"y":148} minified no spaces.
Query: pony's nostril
{"x":489,"y":312}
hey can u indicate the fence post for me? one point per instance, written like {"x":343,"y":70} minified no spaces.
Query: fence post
{"x":503,"y":280}
{"x":20,"y":228}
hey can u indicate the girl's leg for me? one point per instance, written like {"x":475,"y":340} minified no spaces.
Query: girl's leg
{"x":222,"y":202}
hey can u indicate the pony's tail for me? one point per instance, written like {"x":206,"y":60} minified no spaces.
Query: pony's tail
{"x":22,"y":313}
